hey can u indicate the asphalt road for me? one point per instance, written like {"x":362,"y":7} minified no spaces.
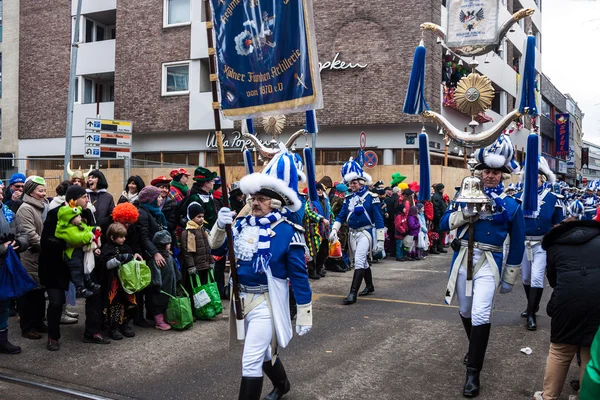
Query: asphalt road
{"x":400,"y":343}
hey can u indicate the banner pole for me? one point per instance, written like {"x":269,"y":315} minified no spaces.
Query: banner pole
{"x":221,"y":160}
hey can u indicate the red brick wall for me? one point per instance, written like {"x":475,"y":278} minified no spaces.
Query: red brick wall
{"x":142,"y":45}
{"x":44,"y":47}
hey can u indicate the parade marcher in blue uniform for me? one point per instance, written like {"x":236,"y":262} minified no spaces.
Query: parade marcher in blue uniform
{"x":533,"y":266}
{"x":590,"y":201}
{"x":362,"y":212}
{"x":575,"y":209}
{"x":502,"y":217}
{"x":269,"y":250}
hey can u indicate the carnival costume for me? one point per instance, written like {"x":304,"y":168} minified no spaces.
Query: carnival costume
{"x":476,"y":297}
{"x":362,"y":212}
{"x":533,"y":266}
{"x":269,"y":250}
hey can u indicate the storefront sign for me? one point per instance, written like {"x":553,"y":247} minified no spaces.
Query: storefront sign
{"x":233,"y":140}
{"x":268,"y":61}
{"x":337,"y":64}
{"x":562,"y":135}
{"x":571,"y":158}
{"x":562,"y":167}
{"x":472,"y":22}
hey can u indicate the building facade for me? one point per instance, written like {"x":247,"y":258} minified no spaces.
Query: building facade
{"x":147,"y":62}
{"x":590,"y":163}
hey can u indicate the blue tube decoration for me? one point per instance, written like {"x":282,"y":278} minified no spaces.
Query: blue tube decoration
{"x":311,"y":181}
{"x":248,"y":162}
{"x":530,"y":195}
{"x":424,"y":167}
{"x":415,"y":103}
{"x":528,"y":81}
{"x":248,"y":126}
{"x":311,"y":122}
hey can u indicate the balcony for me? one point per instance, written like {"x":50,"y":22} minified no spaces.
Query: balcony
{"x":96,"y":57}
{"x":83,"y":111}
{"x":93,"y":6}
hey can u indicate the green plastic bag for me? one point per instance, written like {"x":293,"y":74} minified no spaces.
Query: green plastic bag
{"x":179,"y":310}
{"x":204,"y":309}
{"x":134,"y":276}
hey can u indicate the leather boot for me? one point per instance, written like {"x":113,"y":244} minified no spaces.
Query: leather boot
{"x":467,"y":324}
{"x":356,"y":281}
{"x":7,"y":347}
{"x":250,"y":388}
{"x":535,"y":295}
{"x":312,"y":271}
{"x":477,"y":346}
{"x":276,"y":373}
{"x":526,"y":287}
{"x":369,"y":288}
{"x":440,"y":247}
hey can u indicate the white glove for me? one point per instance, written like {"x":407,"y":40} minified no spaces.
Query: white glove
{"x":225,"y":217}
{"x":302,"y":330}
{"x":333,"y":237}
{"x":379,"y":246}
{"x":505,"y":287}
{"x":192,"y":271}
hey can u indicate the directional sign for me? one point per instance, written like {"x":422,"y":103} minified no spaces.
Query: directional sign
{"x":91,"y":151}
{"x":371,"y":159}
{"x":115,"y":152}
{"x":112,"y":139}
{"x":92,"y":137}
{"x":108,"y":125}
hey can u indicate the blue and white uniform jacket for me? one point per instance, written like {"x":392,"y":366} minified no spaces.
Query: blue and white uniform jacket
{"x":590,"y":204}
{"x":550,"y":212}
{"x":361,"y":211}
{"x":491,"y":229}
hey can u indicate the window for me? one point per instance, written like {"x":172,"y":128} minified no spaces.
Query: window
{"x":175,"y":78}
{"x":545,"y":109}
{"x":77,"y":90}
{"x":497,"y":102}
{"x":89,"y":31}
{"x":96,"y":32}
{"x":99,"y":32}
{"x":88,"y":91}
{"x":176,"y":12}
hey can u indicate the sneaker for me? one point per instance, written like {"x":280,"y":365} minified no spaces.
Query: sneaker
{"x":71,"y":314}
{"x":53,"y":345}
{"x":66,"y":320}
{"x":115,"y":334}
{"x":97,"y":338}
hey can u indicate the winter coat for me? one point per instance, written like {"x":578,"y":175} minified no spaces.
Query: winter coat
{"x":439,"y":208}
{"x":30,"y":223}
{"x":195,"y":250}
{"x":413,"y":225}
{"x":147,"y":227}
{"x":391,"y":203}
{"x":127,"y":198}
{"x":102,"y":204}
{"x":400,"y":230}
{"x":54,"y":272}
{"x":169,"y":209}
{"x":572,"y":251}
{"x":422,"y":223}
{"x":20,"y":238}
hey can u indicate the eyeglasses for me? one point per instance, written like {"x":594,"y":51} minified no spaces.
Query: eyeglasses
{"x":260,"y":199}
{"x":18,"y":186}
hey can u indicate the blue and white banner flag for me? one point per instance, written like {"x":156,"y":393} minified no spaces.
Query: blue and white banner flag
{"x":266,"y":56}
{"x":472,"y":22}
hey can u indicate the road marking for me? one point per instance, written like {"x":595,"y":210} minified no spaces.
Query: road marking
{"x":416,"y":270}
{"x":415,"y":303}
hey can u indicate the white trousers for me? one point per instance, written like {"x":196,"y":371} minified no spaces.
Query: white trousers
{"x":479,"y":306}
{"x":360,"y":244}
{"x":533,"y":271}
{"x":257,"y":345}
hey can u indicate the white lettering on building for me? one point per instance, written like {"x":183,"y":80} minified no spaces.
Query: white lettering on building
{"x":337,"y":64}
{"x":232,"y":141}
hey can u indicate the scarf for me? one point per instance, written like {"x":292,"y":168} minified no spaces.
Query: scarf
{"x":182,"y":188}
{"x":131,"y":197}
{"x":261,"y":263}
{"x":156,"y":213}
{"x":498,"y":190}
{"x":500,"y":215}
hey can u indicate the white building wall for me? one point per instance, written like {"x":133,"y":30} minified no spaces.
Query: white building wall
{"x":9,"y":103}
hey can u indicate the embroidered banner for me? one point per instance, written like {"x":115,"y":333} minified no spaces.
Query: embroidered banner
{"x":472,"y":22}
{"x":562,"y":135}
{"x":267,"y":57}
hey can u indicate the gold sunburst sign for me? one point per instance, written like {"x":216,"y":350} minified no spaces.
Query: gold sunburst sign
{"x":273,"y":125}
{"x":474,"y":93}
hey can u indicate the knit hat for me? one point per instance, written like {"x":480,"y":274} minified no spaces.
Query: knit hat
{"x":320,"y":186}
{"x":161,"y":180}
{"x":202,"y":174}
{"x":32,"y":182}
{"x":194,"y":209}
{"x":74,"y":192}
{"x":340,"y":187}
{"x":161,"y":238}
{"x":125,"y":213}
{"x":176,"y":174}
{"x":148,"y":195}
{"x":66,"y":214}
{"x":17,"y":178}
{"x":498,"y":155}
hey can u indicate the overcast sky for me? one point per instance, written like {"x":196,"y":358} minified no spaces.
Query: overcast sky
{"x":571,"y":55}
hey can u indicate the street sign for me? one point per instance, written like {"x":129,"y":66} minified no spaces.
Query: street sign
{"x":371,"y":159}
{"x":363,"y":140}
{"x":91,"y":151}
{"x":112,"y":139}
{"x":109,"y":125}
{"x":115,"y":152}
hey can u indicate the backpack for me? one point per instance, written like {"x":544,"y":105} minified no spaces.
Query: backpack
{"x":401,"y":224}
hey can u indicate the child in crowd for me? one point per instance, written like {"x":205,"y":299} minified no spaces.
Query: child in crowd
{"x":401,"y":230}
{"x":413,"y":230}
{"x":121,"y":308}
{"x":164,"y":277}
{"x":195,"y":250}
{"x":77,"y":234}
{"x":423,"y":244}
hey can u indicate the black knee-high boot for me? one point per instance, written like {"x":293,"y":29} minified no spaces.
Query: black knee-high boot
{"x":276,"y":373}
{"x":356,"y":281}
{"x":251,"y":388}
{"x":369,"y":288}
{"x":480,"y":335}
{"x":467,"y":324}
{"x":533,"y":305}
{"x":526,"y":287}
